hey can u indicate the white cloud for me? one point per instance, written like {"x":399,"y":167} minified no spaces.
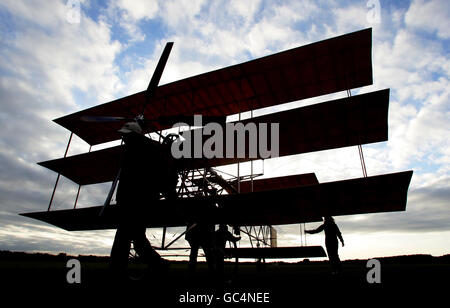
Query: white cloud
{"x":416,"y":69}
{"x":46,"y":64}
{"x":139,"y":9}
{"x":352,"y":18}
{"x":246,"y":9}
{"x":48,"y":13}
{"x":264,"y":35}
{"x":179,"y":15}
{"x":60,"y":59}
{"x":130,"y":14}
{"x":276,"y":30}
{"x":431,"y":16}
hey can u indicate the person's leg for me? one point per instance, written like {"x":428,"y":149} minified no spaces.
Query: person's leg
{"x":332,"y":251}
{"x":210,"y":258}
{"x":143,"y":247}
{"x":193,"y":258}
{"x":338,"y":264}
{"x":120,"y":252}
{"x":219,"y":257}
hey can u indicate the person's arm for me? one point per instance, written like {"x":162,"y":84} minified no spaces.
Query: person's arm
{"x":340,"y":235}
{"x":319,"y":229}
{"x":236,"y":238}
{"x":231,"y":238}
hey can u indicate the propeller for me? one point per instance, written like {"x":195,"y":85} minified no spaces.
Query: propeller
{"x":151,"y":89}
{"x":157,"y":74}
{"x":152,"y":86}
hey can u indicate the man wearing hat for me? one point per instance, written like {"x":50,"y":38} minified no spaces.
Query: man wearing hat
{"x":139,"y":185}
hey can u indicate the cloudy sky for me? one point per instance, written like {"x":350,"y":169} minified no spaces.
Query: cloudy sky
{"x":58,"y":57}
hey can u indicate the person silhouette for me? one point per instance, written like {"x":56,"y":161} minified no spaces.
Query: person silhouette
{"x":222,"y":236}
{"x":332,"y":233}
{"x":138,"y":185}
{"x":200,"y":234}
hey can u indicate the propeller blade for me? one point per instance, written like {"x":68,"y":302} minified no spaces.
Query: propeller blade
{"x":157,"y":74}
{"x":98,"y":119}
{"x":159,"y":69}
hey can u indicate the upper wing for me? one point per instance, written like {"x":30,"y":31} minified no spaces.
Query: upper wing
{"x":382,"y":193}
{"x":328,"y":66}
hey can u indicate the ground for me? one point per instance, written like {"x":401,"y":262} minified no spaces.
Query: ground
{"x":403,"y":279}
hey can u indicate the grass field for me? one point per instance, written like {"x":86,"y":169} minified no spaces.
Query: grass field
{"x":402,"y":278}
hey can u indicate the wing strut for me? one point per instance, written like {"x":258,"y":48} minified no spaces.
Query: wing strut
{"x":110,"y":194}
{"x":59,"y":174}
{"x":360,"y":150}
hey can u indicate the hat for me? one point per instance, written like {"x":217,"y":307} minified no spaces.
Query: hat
{"x":130,"y":127}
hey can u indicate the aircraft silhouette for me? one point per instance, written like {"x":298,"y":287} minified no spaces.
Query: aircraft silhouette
{"x":244,"y":202}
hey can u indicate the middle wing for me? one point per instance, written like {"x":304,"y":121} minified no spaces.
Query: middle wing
{"x":338,"y":123}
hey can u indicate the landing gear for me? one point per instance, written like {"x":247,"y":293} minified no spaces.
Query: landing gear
{"x":137,"y":268}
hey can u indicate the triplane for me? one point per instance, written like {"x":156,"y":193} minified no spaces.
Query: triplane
{"x":247,"y":203}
